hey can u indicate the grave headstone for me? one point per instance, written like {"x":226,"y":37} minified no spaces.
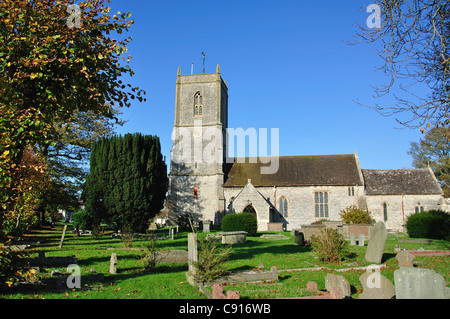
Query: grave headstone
{"x":377,"y":241}
{"x":62,"y":237}
{"x":206,"y":226}
{"x":419,"y":283}
{"x":299,"y":238}
{"x":113,"y":264}
{"x":352,"y":239}
{"x":336,"y":293}
{"x":192,"y":252}
{"x":375,"y":285}
{"x":405,"y":259}
{"x":312,"y":286}
{"x":361,"y":240}
{"x":337,"y":281}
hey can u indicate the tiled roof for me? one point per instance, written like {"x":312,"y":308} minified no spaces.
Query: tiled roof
{"x":315,"y":170}
{"x":400,"y":181}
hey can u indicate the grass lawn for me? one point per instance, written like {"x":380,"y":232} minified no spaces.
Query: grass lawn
{"x":168,"y":280}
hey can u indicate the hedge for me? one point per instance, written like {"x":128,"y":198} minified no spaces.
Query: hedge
{"x":240,"y":222}
{"x":433,"y":224}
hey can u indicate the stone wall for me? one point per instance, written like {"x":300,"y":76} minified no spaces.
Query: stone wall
{"x":301,"y":210}
{"x":399,"y":207}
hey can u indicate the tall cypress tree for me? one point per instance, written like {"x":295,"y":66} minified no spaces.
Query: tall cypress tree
{"x":128,"y":182}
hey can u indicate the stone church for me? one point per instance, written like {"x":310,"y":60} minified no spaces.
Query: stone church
{"x":205,"y":182}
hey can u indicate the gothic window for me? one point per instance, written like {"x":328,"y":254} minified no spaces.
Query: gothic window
{"x":198,"y":104}
{"x":250,"y":209}
{"x":385,"y":212}
{"x":419,"y":209}
{"x":283,"y":207}
{"x":321,"y":204}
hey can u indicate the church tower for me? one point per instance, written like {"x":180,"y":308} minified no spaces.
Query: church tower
{"x":199,"y":146}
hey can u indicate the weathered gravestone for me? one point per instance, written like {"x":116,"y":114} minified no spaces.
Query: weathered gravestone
{"x":352,"y":239}
{"x":361,"y":240}
{"x":375,"y":285}
{"x":62,"y":237}
{"x":299,"y":238}
{"x":405,"y":259}
{"x":377,"y":241}
{"x":419,"y":283}
{"x":113,"y":264}
{"x":206,"y":226}
{"x":192,"y":252}
{"x":337,"y":281}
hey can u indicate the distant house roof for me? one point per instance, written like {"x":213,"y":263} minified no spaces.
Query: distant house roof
{"x":400,"y":181}
{"x":319,"y":170}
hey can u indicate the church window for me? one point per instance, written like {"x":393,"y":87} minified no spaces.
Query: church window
{"x":198,"y":104}
{"x":351,"y":191}
{"x":283,"y":207}
{"x":419,"y":209}
{"x":321,"y":204}
{"x":385,"y":212}
{"x":250,"y":209}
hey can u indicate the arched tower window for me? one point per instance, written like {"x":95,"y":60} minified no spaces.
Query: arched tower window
{"x":198,"y":104}
{"x":283,"y":207}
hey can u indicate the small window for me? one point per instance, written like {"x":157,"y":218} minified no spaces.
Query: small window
{"x":351,"y":191}
{"x":419,"y":209}
{"x":283,"y":207}
{"x":321,"y":204}
{"x":385,"y":212}
{"x":198,"y":104}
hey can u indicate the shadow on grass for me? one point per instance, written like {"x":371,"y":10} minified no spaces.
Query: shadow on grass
{"x":252,"y":249}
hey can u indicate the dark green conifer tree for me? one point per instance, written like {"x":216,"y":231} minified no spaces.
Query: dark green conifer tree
{"x":127,"y":183}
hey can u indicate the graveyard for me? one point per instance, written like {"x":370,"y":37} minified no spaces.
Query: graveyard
{"x":297,"y":266}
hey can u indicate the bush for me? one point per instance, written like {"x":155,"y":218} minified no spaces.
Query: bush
{"x":355,"y":215}
{"x":329,"y":245}
{"x":211,"y":256}
{"x":433,"y":224}
{"x":240,"y":222}
{"x":152,"y":254}
{"x":11,"y":264}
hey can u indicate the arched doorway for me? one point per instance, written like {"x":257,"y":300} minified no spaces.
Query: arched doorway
{"x":250,"y":209}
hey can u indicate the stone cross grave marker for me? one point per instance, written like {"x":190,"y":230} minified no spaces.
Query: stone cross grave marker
{"x":377,"y":241}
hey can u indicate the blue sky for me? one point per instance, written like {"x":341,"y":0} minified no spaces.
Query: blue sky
{"x":286,"y":66}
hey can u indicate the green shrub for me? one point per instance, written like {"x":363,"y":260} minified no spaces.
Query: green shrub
{"x":240,"y":222}
{"x":329,"y":245}
{"x":211,"y":258}
{"x":355,"y":215}
{"x":433,"y":224}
